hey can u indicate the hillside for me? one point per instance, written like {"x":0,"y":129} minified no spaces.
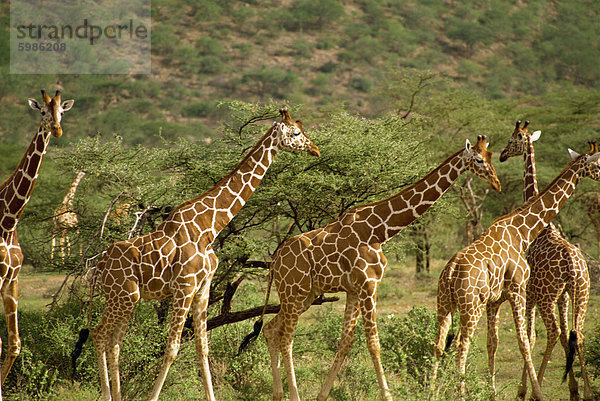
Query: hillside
{"x":320,"y":54}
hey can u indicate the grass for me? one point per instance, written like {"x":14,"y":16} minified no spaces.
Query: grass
{"x":398,"y":293}
{"x":36,"y":289}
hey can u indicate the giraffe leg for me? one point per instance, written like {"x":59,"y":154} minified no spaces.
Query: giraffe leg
{"x":290,"y":312}
{"x":101,"y":337}
{"x":530,"y":321}
{"x":470,"y":313}
{"x":351,"y":316}
{"x":271,"y":332}
{"x":115,"y":341}
{"x":52,"y":246}
{"x":587,"y":390}
{"x":369,"y":312}
{"x":553,"y":331}
{"x":444,"y":317}
{"x":517,"y":302}
{"x":68,"y":245}
{"x":492,"y":340}
{"x":199,"y":311}
{"x":10,"y":298}
{"x":61,"y":246}
{"x":580,"y":302}
{"x":182,"y":302}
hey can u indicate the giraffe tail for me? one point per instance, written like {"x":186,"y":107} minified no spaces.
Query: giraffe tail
{"x":450,"y":337}
{"x":571,"y":353}
{"x":84,"y":334}
{"x":259,"y":323}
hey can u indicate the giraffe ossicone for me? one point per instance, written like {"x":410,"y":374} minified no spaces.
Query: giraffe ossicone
{"x":176,"y":260}
{"x":494,"y":268}
{"x":14,"y":196}
{"x":346,"y":255}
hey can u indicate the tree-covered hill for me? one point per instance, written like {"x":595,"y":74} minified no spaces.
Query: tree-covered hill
{"x":321,"y":54}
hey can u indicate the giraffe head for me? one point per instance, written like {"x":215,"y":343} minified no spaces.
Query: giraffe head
{"x":292,"y":136}
{"x":591,"y":167}
{"x":479,"y":161}
{"x":51,"y":110}
{"x":518,"y":142}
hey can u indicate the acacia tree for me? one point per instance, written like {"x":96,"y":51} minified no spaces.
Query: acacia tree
{"x":362,"y":160}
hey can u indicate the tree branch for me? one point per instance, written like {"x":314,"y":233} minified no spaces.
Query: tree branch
{"x":227,"y":318}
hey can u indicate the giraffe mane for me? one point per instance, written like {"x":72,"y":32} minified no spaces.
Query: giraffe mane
{"x":404,"y":187}
{"x":542,"y":193}
{"x":227,"y":177}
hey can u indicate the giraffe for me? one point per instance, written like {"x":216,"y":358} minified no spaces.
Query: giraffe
{"x":176,"y":260}
{"x":14,"y":196}
{"x":494,"y":266}
{"x":64,"y":219}
{"x":346,"y":255}
{"x":558,"y":270}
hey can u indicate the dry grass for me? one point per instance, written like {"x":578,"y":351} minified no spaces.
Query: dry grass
{"x":36,"y":289}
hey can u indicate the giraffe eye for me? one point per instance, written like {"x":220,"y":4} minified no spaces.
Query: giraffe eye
{"x":43,"y":113}
{"x":480,"y":161}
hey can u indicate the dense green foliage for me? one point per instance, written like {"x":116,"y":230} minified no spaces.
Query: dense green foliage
{"x":43,"y":371}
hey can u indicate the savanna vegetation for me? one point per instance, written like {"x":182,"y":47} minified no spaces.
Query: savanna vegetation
{"x":387,"y":89}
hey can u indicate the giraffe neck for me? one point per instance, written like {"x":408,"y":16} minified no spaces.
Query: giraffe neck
{"x":68,"y":200}
{"x":531,"y":218}
{"x":409,"y":204}
{"x":229,"y":195}
{"x":16,"y":190}
{"x":530,"y":187}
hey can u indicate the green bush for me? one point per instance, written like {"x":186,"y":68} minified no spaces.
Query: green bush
{"x":312,"y":14}
{"x":197,"y":109}
{"x":407,"y":342}
{"x":164,"y":39}
{"x":270,"y":81}
{"x":209,"y":64}
{"x":592,"y":352}
{"x":302,"y":49}
{"x":362,"y":84}
{"x":209,"y":46}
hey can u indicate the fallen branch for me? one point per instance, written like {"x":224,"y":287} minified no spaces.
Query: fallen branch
{"x":235,"y":317}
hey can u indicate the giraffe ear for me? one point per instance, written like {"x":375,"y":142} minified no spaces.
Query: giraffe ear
{"x":34,"y":104}
{"x":468,"y":145}
{"x":593,"y":158}
{"x":573,"y":154}
{"x":67,"y":104}
{"x":535,"y":135}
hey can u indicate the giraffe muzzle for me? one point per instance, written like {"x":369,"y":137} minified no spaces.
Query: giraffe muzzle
{"x":496,"y":185}
{"x":313,"y":150}
{"x":56,"y":130}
